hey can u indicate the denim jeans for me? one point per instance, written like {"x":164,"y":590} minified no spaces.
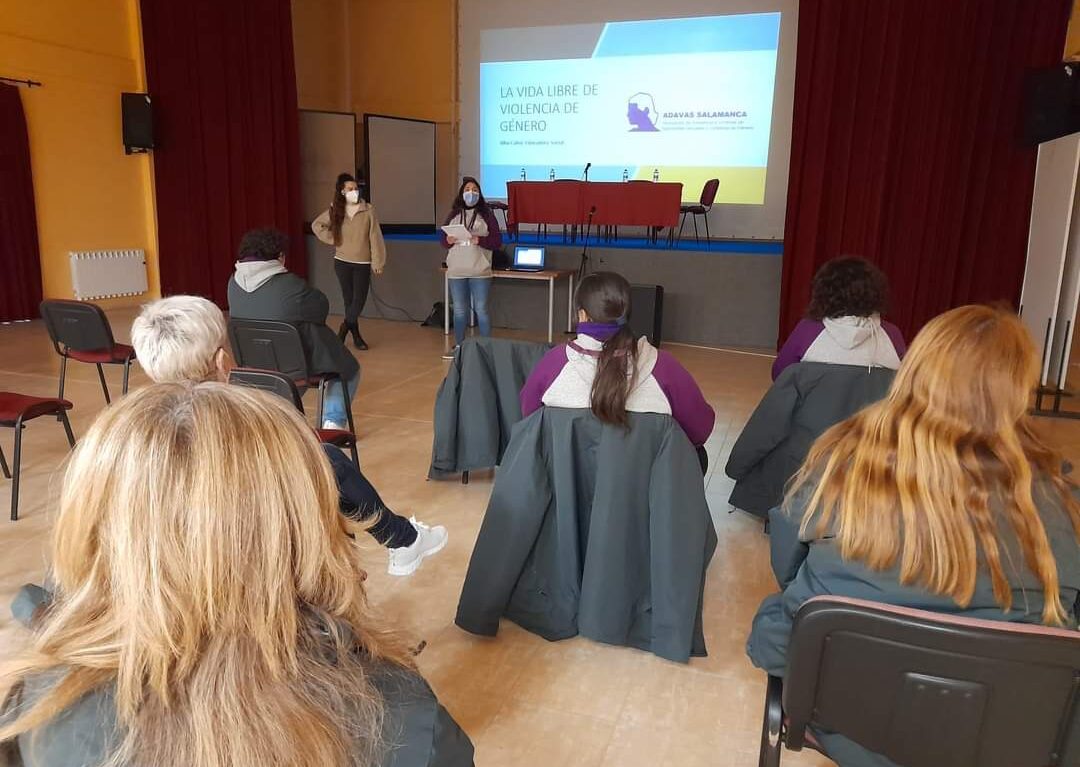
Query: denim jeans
{"x":334,"y":409}
{"x":474,"y":290}
{"x":359,"y":500}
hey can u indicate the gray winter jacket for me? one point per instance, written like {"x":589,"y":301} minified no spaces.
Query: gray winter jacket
{"x":807,"y":399}
{"x":478,"y":404}
{"x":264,"y":290}
{"x":595,"y":530}
{"x":811,"y":565}
{"x":417,"y":731}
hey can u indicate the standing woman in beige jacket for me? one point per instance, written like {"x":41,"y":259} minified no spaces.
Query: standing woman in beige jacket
{"x":350,"y":225}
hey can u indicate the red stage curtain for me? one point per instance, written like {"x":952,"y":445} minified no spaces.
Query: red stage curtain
{"x":905,"y":147}
{"x":20,"y":259}
{"x":226,"y":133}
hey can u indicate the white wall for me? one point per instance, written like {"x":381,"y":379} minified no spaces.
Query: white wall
{"x":740,"y":221}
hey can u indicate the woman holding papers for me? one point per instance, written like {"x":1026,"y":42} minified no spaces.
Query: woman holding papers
{"x":470,"y":235}
{"x":350,"y":225}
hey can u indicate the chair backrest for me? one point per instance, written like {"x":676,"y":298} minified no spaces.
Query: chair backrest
{"x":269,"y":345}
{"x":596,"y":530}
{"x":76,"y":325}
{"x":478,"y":403}
{"x":934,"y":690}
{"x":268,"y":381}
{"x":708,"y":192}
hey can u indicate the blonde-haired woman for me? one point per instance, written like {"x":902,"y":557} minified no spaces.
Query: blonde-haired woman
{"x":940,"y":497}
{"x":208,"y":611}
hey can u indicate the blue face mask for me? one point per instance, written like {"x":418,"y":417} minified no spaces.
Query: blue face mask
{"x":471,"y":198}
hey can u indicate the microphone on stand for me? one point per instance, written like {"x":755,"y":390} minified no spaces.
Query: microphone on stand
{"x":583,"y":268}
{"x":587,"y":166}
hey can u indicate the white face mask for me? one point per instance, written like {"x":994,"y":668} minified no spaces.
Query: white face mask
{"x":352,"y":196}
{"x":471,"y":198}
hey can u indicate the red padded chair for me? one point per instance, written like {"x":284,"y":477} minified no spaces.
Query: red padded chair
{"x":702,"y":208}
{"x":81,"y":331}
{"x":15,"y":411}
{"x":281,"y":385}
{"x":925,"y":688}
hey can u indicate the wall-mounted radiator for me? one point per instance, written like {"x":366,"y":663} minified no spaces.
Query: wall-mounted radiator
{"x":108,"y":273}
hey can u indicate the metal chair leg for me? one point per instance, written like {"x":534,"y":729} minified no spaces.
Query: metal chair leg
{"x":349,"y":417}
{"x":67,"y":428}
{"x":697,"y":240}
{"x":16,"y":461}
{"x":682,"y":223}
{"x":104,"y":386}
{"x":320,"y":403}
{"x":63,"y":378}
{"x":772,"y":743}
{"x":708,"y":237}
{"x":127,"y":375}
{"x":4,"y":466}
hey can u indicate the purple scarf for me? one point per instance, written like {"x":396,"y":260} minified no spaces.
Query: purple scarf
{"x":601,"y":331}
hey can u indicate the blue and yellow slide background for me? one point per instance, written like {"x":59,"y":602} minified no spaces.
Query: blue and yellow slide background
{"x":690,"y":99}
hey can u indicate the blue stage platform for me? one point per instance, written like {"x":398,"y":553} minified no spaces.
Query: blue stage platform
{"x":753,"y":247}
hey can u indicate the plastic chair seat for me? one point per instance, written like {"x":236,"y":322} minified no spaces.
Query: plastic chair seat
{"x":15,"y":406}
{"x":316,"y":380}
{"x":696,"y":209}
{"x":498,"y":206}
{"x":118,"y":354}
{"x":336,"y":437}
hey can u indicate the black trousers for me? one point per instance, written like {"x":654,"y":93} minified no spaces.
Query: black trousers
{"x":360,"y":501}
{"x":355,"y":280}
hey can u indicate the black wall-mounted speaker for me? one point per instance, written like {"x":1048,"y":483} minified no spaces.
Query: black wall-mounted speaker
{"x":1051,"y":103}
{"x":647,"y":312}
{"x":138,"y":122}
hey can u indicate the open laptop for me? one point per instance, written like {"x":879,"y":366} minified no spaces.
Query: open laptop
{"x":528,"y":258}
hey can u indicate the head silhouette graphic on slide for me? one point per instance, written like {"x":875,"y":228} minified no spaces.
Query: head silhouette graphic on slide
{"x":641,"y":113}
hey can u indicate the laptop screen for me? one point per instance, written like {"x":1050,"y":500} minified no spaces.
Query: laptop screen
{"x":529,"y":257}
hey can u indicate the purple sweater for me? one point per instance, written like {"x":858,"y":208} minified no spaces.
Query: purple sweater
{"x":807,"y":332}
{"x":687,"y":403}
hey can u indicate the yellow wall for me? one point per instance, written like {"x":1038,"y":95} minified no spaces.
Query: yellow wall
{"x":89,"y":194}
{"x":403,"y":57}
{"x":321,"y":50}
{"x":1072,"y":37}
{"x":389,"y":57}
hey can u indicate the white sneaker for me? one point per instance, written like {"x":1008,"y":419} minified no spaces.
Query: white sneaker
{"x":406,"y":560}
{"x":327,"y":424}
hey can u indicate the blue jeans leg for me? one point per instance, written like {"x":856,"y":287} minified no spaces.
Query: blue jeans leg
{"x":481,"y":290}
{"x":460,"y":295}
{"x":334,"y":410}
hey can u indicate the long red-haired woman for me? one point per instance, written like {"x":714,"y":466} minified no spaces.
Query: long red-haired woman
{"x":940,"y":497}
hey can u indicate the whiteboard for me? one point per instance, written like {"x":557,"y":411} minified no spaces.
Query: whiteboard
{"x":1048,"y":244}
{"x":327,"y":149}
{"x":400,"y":157}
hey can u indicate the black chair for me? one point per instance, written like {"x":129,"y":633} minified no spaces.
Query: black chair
{"x":276,"y":346}
{"x":81,"y":331}
{"x":702,"y":208}
{"x":15,"y":411}
{"x":927,"y":689}
{"x":282,"y":386}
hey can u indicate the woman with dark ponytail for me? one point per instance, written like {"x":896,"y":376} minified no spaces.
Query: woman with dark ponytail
{"x":352,"y":227}
{"x":607,"y":370}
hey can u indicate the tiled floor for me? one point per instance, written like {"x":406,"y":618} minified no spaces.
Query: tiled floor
{"x":524,"y":701}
